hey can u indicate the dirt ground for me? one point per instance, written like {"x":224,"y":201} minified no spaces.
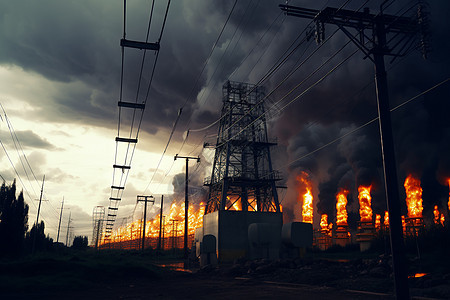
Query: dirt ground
{"x":189,"y":286}
{"x":128,"y":275}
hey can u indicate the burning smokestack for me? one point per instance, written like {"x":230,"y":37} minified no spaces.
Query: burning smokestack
{"x":307,"y":197}
{"x":386,"y":219}
{"x":324,"y":222}
{"x":365,"y":203}
{"x":341,"y":208}
{"x":413,"y":197}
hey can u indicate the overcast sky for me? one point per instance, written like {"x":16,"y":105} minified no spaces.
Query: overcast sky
{"x":60,"y":66}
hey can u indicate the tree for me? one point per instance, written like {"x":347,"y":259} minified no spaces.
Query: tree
{"x":13,"y":220}
{"x":80,"y":242}
{"x":43,"y":243}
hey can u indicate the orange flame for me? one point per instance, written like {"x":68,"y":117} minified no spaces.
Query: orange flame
{"x":133,"y":230}
{"x":307,"y":207}
{"x":324,"y":222}
{"x":448,"y":181}
{"x":386,"y":219}
{"x":378,"y":222}
{"x":365,"y":203}
{"x":404,"y":224}
{"x":413,"y":197}
{"x":436,"y":215}
{"x":341,"y":210}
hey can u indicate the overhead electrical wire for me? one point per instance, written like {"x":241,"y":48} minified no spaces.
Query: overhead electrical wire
{"x":280,"y":62}
{"x":17,"y":146}
{"x":368,"y":122}
{"x":191,"y":94}
{"x":272,"y":70}
{"x":124,"y":174}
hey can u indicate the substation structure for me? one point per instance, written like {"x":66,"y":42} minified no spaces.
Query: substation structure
{"x":242,"y":216}
{"x":98,"y":216}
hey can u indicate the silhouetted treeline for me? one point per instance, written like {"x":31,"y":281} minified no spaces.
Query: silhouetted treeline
{"x":80,"y":242}
{"x":42,"y":242}
{"x":13,"y":220}
{"x":14,"y":238}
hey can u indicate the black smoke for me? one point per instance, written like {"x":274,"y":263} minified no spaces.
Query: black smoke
{"x":347,"y":100}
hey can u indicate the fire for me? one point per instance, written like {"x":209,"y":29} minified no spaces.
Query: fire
{"x":324,"y":222}
{"x":365,"y":203}
{"x":307,"y":208}
{"x":418,"y":275}
{"x":174,"y":225}
{"x":448,"y":181}
{"x":386,"y":219}
{"x":404,"y":224}
{"x":413,"y":197}
{"x":436,"y":215}
{"x":341,"y":210}
{"x":378,"y":222}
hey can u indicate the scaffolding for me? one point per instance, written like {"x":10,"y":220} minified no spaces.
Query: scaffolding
{"x":242,"y":176}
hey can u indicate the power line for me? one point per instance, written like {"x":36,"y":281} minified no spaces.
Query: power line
{"x":367,"y":123}
{"x":281,"y":61}
{"x":127,"y":160}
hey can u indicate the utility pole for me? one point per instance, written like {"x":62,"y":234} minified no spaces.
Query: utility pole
{"x":403,"y":30}
{"x":145,"y":199}
{"x":37,"y":217}
{"x":68,"y":228}
{"x":186,"y":202}
{"x":160,"y":222}
{"x":59,"y":225}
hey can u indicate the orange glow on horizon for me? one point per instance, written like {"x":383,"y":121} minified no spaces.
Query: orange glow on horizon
{"x":365,"y":203}
{"x":341,"y":210}
{"x":413,"y":197}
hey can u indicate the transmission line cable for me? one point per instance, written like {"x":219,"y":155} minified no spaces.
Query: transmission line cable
{"x":366,"y":124}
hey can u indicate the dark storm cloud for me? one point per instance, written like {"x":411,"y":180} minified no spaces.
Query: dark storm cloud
{"x":76,"y":44}
{"x":28,"y":139}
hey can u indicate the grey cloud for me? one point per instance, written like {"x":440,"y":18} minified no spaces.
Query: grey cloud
{"x":27,"y":138}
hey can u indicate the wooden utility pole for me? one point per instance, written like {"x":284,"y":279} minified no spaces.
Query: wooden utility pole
{"x":402,"y":30}
{"x":37,"y":217}
{"x":145,"y":199}
{"x":163,"y":231}
{"x":186,"y":202}
{"x":68,"y":229}
{"x":60,"y":217}
{"x":160,"y":221}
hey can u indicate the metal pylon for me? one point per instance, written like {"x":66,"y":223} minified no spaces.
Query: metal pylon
{"x":242,"y":177}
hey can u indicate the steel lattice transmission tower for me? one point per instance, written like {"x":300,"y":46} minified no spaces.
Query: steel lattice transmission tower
{"x":98,"y":216}
{"x":242,"y":176}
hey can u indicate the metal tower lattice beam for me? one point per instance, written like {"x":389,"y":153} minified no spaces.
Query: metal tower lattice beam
{"x":242,"y":177}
